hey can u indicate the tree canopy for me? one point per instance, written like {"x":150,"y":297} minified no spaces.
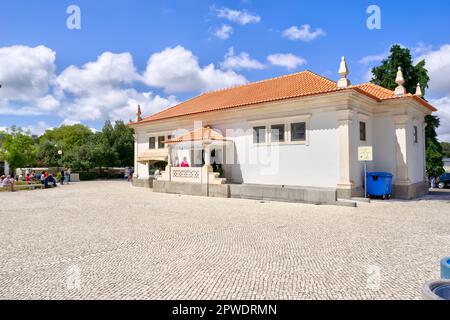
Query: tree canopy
{"x":385,"y":74}
{"x":72,"y":146}
{"x":18,"y":148}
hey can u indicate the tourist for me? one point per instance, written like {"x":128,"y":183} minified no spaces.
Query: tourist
{"x":50,"y":179}
{"x":8,"y":183}
{"x":184,"y":164}
{"x":28,"y":178}
{"x":127,"y":173}
{"x":43,"y":177}
{"x":130,"y":176}
{"x":433,"y":182}
{"x":62,"y":176}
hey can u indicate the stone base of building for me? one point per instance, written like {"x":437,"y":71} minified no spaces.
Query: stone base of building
{"x":412,"y":191}
{"x":354,"y":192}
{"x":284,"y":193}
{"x":143,"y":183}
{"x":192,"y":189}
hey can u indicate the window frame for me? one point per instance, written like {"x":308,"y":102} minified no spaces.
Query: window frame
{"x":416,"y":134}
{"x":292,"y":133}
{"x":150,"y":145}
{"x":272,"y":133}
{"x":255,"y":131}
{"x":158,"y":142}
{"x":305,"y":118}
{"x":362,"y":133}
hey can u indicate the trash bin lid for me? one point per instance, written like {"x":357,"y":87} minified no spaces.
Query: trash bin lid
{"x":443,"y":291}
{"x":379,"y":174}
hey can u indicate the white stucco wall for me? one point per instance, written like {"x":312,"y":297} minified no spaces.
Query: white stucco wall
{"x":357,"y":167}
{"x":415,"y":152}
{"x":142,"y":144}
{"x":384,"y":144}
{"x":314,"y":164}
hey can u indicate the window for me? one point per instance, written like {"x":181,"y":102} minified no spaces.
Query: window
{"x":362,"y":131}
{"x":152,"y":143}
{"x":259,"y":134}
{"x":416,"y":135}
{"x":298,"y":131}
{"x":161,"y":142}
{"x":277,"y":133}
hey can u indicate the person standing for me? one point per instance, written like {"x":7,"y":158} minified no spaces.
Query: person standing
{"x":63,"y":176}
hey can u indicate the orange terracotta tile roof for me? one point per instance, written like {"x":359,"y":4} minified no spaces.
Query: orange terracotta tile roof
{"x":202,"y":134}
{"x":291,"y":86}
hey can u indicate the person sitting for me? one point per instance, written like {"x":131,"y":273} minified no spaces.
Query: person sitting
{"x":28,"y":179}
{"x":42,"y":178}
{"x":50,"y":179}
{"x":184,"y":164}
{"x":8,"y":183}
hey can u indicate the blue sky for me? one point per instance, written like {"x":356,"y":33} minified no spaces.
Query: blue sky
{"x":269,"y":38}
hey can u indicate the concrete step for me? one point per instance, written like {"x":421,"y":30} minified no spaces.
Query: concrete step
{"x":346,"y":203}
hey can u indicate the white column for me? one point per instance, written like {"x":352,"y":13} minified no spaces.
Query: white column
{"x":345,"y":149}
{"x":401,"y":171}
{"x":207,"y":148}
{"x":424,"y":141}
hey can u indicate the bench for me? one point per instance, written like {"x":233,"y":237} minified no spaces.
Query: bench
{"x":29,"y":186}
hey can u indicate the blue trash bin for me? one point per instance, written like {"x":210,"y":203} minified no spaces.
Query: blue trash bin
{"x":379,"y":184}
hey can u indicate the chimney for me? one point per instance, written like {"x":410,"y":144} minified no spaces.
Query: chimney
{"x":138,"y":114}
{"x":400,"y":81}
{"x":343,"y":72}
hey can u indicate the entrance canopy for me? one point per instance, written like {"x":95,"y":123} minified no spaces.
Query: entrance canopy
{"x":205,"y":134}
{"x":152,"y":156}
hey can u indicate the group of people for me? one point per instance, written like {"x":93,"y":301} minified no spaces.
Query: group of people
{"x":31,"y":177}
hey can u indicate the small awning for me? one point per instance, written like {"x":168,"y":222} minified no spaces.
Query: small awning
{"x":202,"y":134}
{"x":152,"y":156}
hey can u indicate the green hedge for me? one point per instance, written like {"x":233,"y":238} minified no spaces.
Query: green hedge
{"x":86,"y":176}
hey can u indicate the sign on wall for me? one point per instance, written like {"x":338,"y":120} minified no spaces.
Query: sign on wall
{"x":365,"y":154}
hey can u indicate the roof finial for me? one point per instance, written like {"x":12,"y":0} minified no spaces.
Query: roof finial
{"x":419,"y":91}
{"x":138,"y":114}
{"x":343,"y":72}
{"x":400,"y":81}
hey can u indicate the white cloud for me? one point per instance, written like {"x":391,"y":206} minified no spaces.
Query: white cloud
{"x":27,"y":76}
{"x":224,"y":32}
{"x":443,"y":106}
{"x":286,"y":60}
{"x":241,"y":61}
{"x":100,"y":90}
{"x":371,"y":59}
{"x":438,"y":66}
{"x":38,"y":129}
{"x":303,"y":33}
{"x":240,"y":17}
{"x":178,"y":70}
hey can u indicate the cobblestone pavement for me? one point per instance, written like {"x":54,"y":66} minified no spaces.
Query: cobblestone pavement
{"x":107,"y":240}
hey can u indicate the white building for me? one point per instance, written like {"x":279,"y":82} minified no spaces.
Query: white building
{"x":291,"y":138}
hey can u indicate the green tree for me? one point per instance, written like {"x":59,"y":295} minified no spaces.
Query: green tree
{"x":385,"y":74}
{"x":446,"y":149}
{"x":118,"y":144}
{"x":435,"y":155}
{"x":18,"y":148}
{"x":69,"y":139}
